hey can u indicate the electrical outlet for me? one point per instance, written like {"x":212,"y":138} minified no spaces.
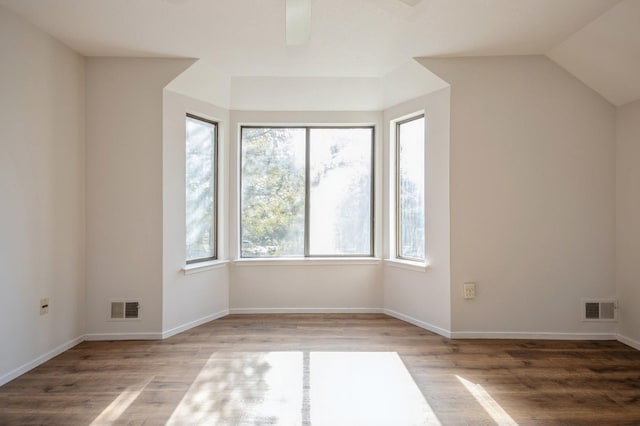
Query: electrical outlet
{"x":44,"y":306}
{"x":469,"y":290}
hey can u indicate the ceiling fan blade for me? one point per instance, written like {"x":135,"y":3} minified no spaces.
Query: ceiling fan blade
{"x":298,"y":14}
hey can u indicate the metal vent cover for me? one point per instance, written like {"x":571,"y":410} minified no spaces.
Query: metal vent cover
{"x":117,"y":310}
{"x":131,"y":309}
{"x":124,"y":310}
{"x":599,"y":310}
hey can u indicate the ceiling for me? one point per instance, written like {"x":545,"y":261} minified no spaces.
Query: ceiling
{"x":354,"y":38}
{"x":605,"y":54}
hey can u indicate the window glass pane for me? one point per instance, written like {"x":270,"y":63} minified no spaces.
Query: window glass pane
{"x":200,"y":189}
{"x":411,"y":189}
{"x":340,"y":191}
{"x":272,"y":193}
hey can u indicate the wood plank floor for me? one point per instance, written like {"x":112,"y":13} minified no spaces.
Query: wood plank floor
{"x":328,"y":369}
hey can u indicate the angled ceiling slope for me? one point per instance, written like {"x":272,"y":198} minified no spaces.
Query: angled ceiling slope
{"x":605,"y":54}
{"x":354,"y":38}
{"x":596,"y":40}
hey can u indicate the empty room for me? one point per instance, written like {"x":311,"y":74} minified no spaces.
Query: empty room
{"x":319,"y":212}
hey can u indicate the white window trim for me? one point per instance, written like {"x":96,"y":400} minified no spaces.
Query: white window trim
{"x":299,"y":261}
{"x":408,"y":264}
{"x":194,"y":268}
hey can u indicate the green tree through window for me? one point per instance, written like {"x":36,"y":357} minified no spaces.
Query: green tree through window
{"x":273,"y":182}
{"x":279,"y":208}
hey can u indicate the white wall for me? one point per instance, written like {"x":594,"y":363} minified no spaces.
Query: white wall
{"x":124,"y":190}
{"x":306,"y":288}
{"x":42,"y":217}
{"x":303,"y":285}
{"x":532,"y":196}
{"x":204,"y":81}
{"x":306,"y":94}
{"x":628,"y":221}
{"x":423,"y":296}
{"x":196,"y":298}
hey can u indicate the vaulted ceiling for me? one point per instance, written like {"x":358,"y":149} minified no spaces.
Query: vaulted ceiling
{"x":596,"y":40}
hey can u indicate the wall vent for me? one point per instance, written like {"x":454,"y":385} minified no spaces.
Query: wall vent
{"x":599,"y":310}
{"x":124,"y":310}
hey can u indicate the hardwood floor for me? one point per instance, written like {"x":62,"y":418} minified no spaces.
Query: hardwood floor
{"x":328,"y":369}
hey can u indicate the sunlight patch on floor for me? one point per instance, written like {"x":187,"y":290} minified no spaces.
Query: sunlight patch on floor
{"x":294,"y":388}
{"x":265,"y":388}
{"x":365,"y":388}
{"x":119,"y":405}
{"x":489,"y":404}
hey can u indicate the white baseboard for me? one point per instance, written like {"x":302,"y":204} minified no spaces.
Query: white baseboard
{"x":531,"y":335}
{"x":123,"y":336}
{"x":511,"y":335}
{"x":419,"y":323}
{"x":306,"y":311}
{"x":6,"y":378}
{"x":628,"y":341}
{"x":184,"y":327}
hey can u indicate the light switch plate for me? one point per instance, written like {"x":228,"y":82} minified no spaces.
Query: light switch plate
{"x":44,"y":306}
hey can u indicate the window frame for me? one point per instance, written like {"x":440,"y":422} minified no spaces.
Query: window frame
{"x":307,"y":191}
{"x":214,"y":178}
{"x":398,"y":217}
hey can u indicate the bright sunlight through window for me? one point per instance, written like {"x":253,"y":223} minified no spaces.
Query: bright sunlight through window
{"x":200,"y":189}
{"x":306,"y":191}
{"x":410,"y":213}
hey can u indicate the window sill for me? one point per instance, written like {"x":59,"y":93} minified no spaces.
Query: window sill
{"x":194,"y":268}
{"x":407,"y":264}
{"x":294,"y":261}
